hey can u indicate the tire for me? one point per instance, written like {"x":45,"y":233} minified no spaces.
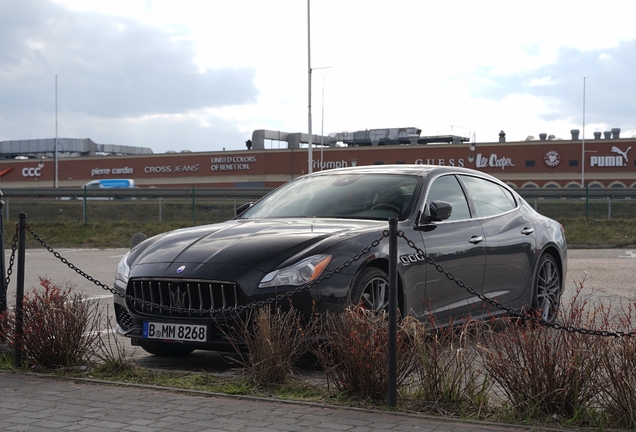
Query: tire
{"x":165,"y":350}
{"x":547,"y":289}
{"x":371,"y":290}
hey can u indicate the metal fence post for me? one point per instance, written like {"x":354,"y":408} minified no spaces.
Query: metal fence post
{"x":193,"y":203}
{"x":393,"y":311}
{"x":17,"y":351}
{"x":160,"y":199}
{"x":85,"y":207}
{"x":609,"y":207}
{"x":3,"y":287}
{"x":587,"y":200}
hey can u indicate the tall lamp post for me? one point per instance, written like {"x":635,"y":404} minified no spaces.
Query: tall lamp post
{"x":55,"y":145}
{"x":583,"y":141}
{"x":310,"y":150}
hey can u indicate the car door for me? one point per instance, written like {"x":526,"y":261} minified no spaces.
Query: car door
{"x":509,"y":238}
{"x":457,"y":245}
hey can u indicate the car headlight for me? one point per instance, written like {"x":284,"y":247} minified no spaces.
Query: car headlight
{"x":300,"y":273}
{"x":123,"y":271}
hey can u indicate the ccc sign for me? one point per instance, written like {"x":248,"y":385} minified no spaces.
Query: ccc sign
{"x":31,"y":172}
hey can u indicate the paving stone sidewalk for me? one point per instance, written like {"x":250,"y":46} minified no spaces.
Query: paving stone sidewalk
{"x":34,"y":403}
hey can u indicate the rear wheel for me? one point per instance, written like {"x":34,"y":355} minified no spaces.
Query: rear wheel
{"x":547,"y":289}
{"x":165,"y":350}
{"x":371,"y":290}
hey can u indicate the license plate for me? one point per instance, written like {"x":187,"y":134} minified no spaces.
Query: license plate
{"x":177,"y":332}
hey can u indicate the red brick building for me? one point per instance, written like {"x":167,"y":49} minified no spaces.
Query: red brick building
{"x":607,"y":163}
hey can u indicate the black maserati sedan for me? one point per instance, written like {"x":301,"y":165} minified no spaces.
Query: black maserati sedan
{"x":316,"y":239}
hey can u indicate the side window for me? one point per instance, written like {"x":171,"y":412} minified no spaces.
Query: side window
{"x":447,"y":189}
{"x":489,"y":198}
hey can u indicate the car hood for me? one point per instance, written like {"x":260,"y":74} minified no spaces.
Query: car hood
{"x":262,"y":245}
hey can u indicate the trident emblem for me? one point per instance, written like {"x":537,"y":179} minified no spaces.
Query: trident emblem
{"x":177,"y":298}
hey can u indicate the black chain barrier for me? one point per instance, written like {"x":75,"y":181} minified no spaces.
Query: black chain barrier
{"x":237,"y":309}
{"x":327,"y":275}
{"x":502,"y":307}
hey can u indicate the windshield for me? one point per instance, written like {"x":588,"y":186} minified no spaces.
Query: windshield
{"x":352,"y":196}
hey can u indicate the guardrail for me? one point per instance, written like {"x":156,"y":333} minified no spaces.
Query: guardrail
{"x":150,"y":193}
{"x":256,"y":193}
{"x":577,"y":193}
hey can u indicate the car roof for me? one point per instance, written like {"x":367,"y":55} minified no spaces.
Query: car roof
{"x":404,"y":169}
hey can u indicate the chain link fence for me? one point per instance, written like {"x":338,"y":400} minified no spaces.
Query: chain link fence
{"x":195,"y":211}
{"x":209,"y":205}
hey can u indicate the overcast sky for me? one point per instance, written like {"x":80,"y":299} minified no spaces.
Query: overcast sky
{"x":202,"y":75}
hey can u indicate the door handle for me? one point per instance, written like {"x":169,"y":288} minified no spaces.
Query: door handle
{"x":476,"y":239}
{"x":527,"y":230}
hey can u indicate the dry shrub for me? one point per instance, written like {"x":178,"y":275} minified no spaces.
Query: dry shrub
{"x":353,"y":352}
{"x":617,"y":383}
{"x":617,"y":394}
{"x":269,"y":343}
{"x":110,"y":352}
{"x":545,"y":373}
{"x":448,"y":370}
{"x":60,"y":328}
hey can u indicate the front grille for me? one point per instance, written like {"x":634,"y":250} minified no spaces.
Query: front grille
{"x":196,"y":295}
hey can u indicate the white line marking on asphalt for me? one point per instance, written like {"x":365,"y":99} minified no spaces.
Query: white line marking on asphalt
{"x":105,"y":331}
{"x":97,"y":298}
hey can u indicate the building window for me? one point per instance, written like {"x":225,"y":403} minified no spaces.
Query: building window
{"x":574,"y":162}
{"x":400,"y":162}
{"x":378,"y":163}
{"x":529,"y":163}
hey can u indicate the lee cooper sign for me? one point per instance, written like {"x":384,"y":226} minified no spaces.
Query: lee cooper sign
{"x":493,"y":161}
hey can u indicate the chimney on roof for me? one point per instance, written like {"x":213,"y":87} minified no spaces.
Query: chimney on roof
{"x":607,"y":134}
{"x":597,"y":135}
{"x":543,"y":136}
{"x":502,"y":136}
{"x":575,"y":134}
{"x":616,"y":132}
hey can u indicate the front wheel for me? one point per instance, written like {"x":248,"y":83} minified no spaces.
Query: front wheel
{"x":371,"y":290}
{"x":547,"y":289}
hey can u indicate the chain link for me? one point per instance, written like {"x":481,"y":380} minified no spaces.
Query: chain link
{"x":237,"y":309}
{"x":502,"y":307}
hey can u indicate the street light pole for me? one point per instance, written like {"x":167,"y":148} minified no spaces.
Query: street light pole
{"x":55,"y":146}
{"x":583,"y":141}
{"x":310,"y":161}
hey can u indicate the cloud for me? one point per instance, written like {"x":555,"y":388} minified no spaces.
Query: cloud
{"x":610,"y":95}
{"x":107,"y":67}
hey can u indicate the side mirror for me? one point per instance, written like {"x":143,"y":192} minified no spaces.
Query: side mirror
{"x":437,"y":211}
{"x":241,"y":209}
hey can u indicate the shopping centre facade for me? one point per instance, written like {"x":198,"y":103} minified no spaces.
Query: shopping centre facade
{"x":602,"y":162}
